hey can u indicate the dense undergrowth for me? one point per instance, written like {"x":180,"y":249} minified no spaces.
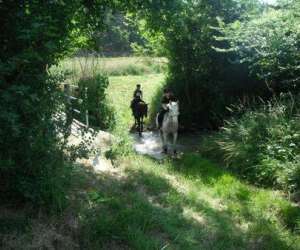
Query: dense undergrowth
{"x":262,"y":144}
{"x":92,"y":90}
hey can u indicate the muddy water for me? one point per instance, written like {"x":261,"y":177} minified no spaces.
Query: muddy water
{"x":151,"y":144}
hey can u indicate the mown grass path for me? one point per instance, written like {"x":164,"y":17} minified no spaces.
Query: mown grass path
{"x":185,"y":203}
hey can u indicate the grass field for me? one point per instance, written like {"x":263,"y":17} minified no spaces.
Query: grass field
{"x":118,"y":66}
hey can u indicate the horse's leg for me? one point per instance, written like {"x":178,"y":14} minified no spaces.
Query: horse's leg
{"x":175,"y":135}
{"x":140,"y":126}
{"x":165,"y":142}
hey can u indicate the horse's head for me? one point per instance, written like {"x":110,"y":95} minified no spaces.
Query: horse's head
{"x":173,"y":108}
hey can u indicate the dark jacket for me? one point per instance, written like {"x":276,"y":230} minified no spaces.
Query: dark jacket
{"x":136,"y":92}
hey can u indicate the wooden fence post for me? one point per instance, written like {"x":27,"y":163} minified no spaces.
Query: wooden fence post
{"x":68,"y":105}
{"x":86,"y":109}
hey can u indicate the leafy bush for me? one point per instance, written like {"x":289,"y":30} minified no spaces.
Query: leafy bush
{"x":100,"y":113}
{"x":34,"y":166}
{"x":204,"y":80}
{"x":263,"y":145}
{"x":261,"y":45}
{"x":269,"y":45}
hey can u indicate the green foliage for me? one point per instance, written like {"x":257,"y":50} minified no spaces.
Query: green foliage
{"x":262,"y":145}
{"x":35,"y":35}
{"x":119,"y":33}
{"x":262,"y":54}
{"x":204,"y":80}
{"x":101,"y":113}
{"x":269,"y":45}
{"x":154,"y":44}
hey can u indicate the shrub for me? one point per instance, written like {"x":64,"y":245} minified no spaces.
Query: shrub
{"x":269,"y":44}
{"x":33,"y":166}
{"x":263,"y":145}
{"x":35,"y":35}
{"x":101,"y":113}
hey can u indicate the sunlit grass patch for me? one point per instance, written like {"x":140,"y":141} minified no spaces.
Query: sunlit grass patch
{"x":116,"y":66}
{"x":121,"y":88}
{"x":162,"y":203}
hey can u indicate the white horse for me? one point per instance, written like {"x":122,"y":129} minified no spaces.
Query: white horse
{"x":169,"y":125}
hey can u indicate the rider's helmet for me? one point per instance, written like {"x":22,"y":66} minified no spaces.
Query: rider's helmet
{"x":168,"y":93}
{"x":167,"y":90}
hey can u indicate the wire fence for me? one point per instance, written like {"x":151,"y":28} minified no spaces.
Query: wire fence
{"x":73,"y":106}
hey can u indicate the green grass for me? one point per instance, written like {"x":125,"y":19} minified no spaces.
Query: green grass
{"x":189,"y":203}
{"x":185,"y":203}
{"x":117,"y":66}
{"x":120,"y":92}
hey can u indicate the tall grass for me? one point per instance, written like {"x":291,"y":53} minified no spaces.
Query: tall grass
{"x":263,"y":145}
{"x":117,"y":66}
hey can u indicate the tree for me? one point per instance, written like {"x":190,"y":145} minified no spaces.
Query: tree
{"x":34,"y":36}
{"x":204,"y":80}
{"x":269,"y":44}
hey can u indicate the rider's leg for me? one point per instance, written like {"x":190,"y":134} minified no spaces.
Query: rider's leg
{"x":161,"y":118}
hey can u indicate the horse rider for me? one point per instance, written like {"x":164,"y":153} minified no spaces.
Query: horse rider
{"x":138,"y":91}
{"x":137,"y":97}
{"x":167,"y":97}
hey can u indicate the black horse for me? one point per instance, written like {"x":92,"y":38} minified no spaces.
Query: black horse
{"x":139,"y":111}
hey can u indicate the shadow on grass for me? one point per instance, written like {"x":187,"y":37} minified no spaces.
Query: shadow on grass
{"x":143,"y":210}
{"x":240,"y":196}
